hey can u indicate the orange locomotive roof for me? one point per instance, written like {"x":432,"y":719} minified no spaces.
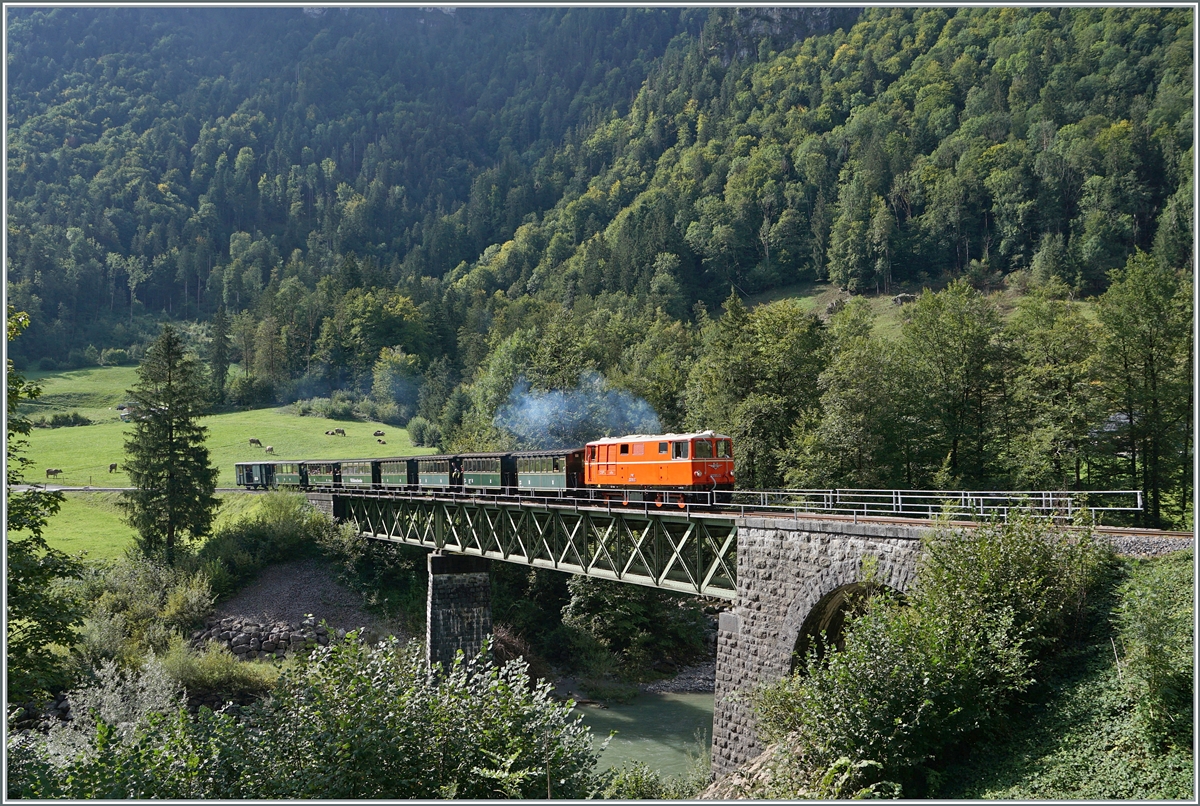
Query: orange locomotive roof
{"x":654,"y":437}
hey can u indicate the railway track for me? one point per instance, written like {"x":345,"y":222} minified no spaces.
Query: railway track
{"x":719,"y":510}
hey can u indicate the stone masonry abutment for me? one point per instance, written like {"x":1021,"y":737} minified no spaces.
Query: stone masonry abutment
{"x":786,"y":569}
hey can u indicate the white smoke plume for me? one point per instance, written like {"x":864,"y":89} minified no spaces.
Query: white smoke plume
{"x":568,"y":419}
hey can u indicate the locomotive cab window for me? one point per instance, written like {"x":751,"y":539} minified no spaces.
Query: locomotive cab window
{"x":703,"y":449}
{"x":723,"y":449}
{"x":624,"y":449}
{"x":680,"y":450}
{"x":662,"y":447}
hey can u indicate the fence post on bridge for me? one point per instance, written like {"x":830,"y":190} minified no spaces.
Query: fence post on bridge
{"x":458,"y":607}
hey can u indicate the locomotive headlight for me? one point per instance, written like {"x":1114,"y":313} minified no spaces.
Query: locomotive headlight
{"x":697,"y":474}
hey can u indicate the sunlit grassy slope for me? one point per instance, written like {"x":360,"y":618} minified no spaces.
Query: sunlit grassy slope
{"x":83,"y":453}
{"x":92,"y":523}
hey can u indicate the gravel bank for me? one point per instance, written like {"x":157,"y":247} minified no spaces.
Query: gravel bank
{"x":293,"y":591}
{"x":1146,"y":546}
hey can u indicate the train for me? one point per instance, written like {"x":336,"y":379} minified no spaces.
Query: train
{"x":665,"y":468}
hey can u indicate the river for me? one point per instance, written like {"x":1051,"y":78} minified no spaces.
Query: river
{"x":658,"y":729}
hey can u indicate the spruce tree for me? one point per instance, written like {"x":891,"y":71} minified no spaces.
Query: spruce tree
{"x":218,"y":355}
{"x":166,"y":457}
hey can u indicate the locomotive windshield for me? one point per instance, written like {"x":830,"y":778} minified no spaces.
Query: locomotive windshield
{"x":703,"y":449}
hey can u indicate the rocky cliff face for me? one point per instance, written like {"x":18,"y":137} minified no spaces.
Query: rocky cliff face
{"x":739,"y":33}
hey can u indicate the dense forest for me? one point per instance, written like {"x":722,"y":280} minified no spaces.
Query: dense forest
{"x":428,"y":216}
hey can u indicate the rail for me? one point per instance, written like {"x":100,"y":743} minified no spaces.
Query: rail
{"x":928,"y":504}
{"x":1063,"y":506}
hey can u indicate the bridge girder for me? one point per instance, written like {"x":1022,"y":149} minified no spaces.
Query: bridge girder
{"x":687,"y":552}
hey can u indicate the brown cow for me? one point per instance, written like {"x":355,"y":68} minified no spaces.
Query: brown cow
{"x":112,"y":467}
{"x":254,"y":441}
{"x":341,"y":432}
{"x":53,"y":471}
{"x":377,"y":434}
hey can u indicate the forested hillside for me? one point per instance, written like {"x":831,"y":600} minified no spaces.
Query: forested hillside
{"x":419,"y":212}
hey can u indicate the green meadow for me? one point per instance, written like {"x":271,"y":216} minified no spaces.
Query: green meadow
{"x":92,"y":523}
{"x":84,"y":453}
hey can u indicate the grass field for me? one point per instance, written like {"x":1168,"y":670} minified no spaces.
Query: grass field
{"x":91,"y":523}
{"x":83,"y":453}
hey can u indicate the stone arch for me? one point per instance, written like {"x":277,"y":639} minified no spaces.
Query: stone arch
{"x":829,"y":595}
{"x":826,"y":622}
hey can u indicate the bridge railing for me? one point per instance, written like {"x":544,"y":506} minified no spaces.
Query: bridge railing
{"x":958,"y":504}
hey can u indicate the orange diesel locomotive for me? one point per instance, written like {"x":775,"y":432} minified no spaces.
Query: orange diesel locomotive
{"x":700,"y":462}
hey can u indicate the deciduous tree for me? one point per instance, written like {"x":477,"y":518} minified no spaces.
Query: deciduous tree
{"x":40,"y":613}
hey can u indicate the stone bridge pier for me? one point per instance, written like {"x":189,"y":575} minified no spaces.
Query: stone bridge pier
{"x":796,"y":580}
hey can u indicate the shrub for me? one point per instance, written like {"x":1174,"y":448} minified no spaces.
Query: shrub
{"x":136,"y":605}
{"x":423,"y":433}
{"x":1155,"y":621}
{"x":912,"y":680}
{"x":644,"y":627}
{"x":114,"y":357}
{"x":214,"y":668}
{"x":358,"y":722}
{"x":47,"y":364}
{"x":285,"y":527}
{"x":67,"y":420}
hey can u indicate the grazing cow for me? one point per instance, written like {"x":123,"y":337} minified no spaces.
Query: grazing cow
{"x":270,"y":449}
{"x":254,"y":441}
{"x":377,"y":434}
{"x":53,"y":471}
{"x":381,"y":441}
{"x":112,"y":467}
{"x":341,"y":432}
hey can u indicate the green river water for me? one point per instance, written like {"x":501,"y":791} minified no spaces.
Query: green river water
{"x":657,"y":729}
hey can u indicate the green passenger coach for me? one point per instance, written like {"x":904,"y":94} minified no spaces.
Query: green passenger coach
{"x":253,"y":475}
{"x":400,"y":472}
{"x":288,"y":474}
{"x":549,"y":471}
{"x":439,"y":472}
{"x":361,"y":473}
{"x":323,"y":474}
{"x":488,"y":471}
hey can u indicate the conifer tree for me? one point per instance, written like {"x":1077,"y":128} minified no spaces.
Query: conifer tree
{"x":166,"y":457}
{"x":218,"y":354}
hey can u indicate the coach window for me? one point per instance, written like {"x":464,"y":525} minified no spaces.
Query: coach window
{"x":591,"y":453}
{"x":703,"y":449}
{"x":681,"y":450}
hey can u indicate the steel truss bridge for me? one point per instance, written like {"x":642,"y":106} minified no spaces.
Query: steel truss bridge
{"x":633,"y":537}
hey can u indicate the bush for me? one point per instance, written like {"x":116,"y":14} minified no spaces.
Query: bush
{"x":423,"y":433}
{"x":357,"y":722}
{"x":912,"y":680}
{"x":285,"y":527}
{"x":339,"y":407}
{"x":1155,"y":620}
{"x":644,"y":627}
{"x":214,"y":668}
{"x":61,"y":420}
{"x":137,"y":605}
{"x":47,"y":364}
{"x":114,"y":357}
